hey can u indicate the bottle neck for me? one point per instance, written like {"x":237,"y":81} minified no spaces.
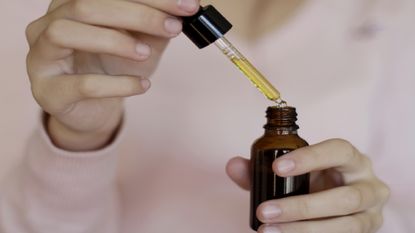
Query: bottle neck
{"x":281,"y":121}
{"x":281,"y":131}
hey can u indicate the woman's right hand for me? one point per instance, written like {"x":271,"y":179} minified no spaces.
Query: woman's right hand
{"x":86,"y":55}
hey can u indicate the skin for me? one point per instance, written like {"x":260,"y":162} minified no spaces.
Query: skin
{"x":346,"y":195}
{"x":81,"y":83}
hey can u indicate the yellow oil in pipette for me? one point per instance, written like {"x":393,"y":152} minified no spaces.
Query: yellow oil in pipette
{"x":259,"y":81}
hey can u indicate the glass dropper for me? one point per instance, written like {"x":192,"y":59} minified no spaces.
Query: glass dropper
{"x":209,"y":26}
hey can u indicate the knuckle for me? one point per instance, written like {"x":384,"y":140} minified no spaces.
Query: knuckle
{"x":365,"y":161}
{"x":350,"y":152}
{"x":153,"y":19}
{"x":82,"y":9}
{"x":30,"y":32}
{"x":35,"y":73}
{"x":53,"y":32}
{"x":341,"y":142}
{"x":87,"y":87}
{"x":352,"y":199}
{"x":35,"y":28}
{"x":384,"y":192}
{"x":37,"y":93}
{"x":112,"y":40}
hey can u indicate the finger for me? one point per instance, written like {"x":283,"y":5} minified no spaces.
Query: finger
{"x":174,"y":7}
{"x":56,"y":3}
{"x":238,"y":170}
{"x":360,"y":223}
{"x":65,"y":36}
{"x":334,"y":153}
{"x":34,"y":29}
{"x":57,"y":94}
{"x":140,"y":18}
{"x":326,"y":179}
{"x":121,"y":15}
{"x":334,"y":202}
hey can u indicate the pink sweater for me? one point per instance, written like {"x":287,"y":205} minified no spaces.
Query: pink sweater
{"x":348,"y":67}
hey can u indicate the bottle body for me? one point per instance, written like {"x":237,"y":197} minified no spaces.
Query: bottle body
{"x":265,"y":184}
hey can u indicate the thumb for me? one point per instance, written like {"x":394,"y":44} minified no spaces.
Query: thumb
{"x":238,"y":169}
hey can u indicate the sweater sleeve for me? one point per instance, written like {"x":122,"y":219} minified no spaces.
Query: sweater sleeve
{"x":53,"y":190}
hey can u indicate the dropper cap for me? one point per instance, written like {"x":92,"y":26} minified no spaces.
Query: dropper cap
{"x":206,"y":26}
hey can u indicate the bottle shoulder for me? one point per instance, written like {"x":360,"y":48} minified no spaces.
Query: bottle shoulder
{"x":290,"y":142}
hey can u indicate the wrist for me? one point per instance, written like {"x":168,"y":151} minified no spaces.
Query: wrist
{"x":69,"y":139}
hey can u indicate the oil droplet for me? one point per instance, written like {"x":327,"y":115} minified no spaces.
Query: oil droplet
{"x":280,"y":103}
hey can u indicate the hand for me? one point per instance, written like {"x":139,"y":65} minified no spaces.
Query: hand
{"x":86,"y":55}
{"x":346,"y":195}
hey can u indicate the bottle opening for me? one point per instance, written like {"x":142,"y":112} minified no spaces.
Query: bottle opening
{"x":280,"y":103}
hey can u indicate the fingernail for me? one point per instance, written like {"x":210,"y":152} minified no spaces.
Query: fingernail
{"x":143,"y":50}
{"x":271,"y":211}
{"x":271,"y":229}
{"x":187,"y":5}
{"x":145,"y":84}
{"x":285,"y":165}
{"x":173,"y":26}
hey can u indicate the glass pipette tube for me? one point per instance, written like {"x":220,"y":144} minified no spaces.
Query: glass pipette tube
{"x":259,"y":81}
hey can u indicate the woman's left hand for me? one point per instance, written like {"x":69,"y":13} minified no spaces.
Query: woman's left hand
{"x":345,"y":197}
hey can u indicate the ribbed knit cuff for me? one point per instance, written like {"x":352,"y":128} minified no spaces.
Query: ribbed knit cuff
{"x":75,"y":178}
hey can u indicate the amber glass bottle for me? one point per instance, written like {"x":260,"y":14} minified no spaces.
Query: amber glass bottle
{"x":280,"y":137}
